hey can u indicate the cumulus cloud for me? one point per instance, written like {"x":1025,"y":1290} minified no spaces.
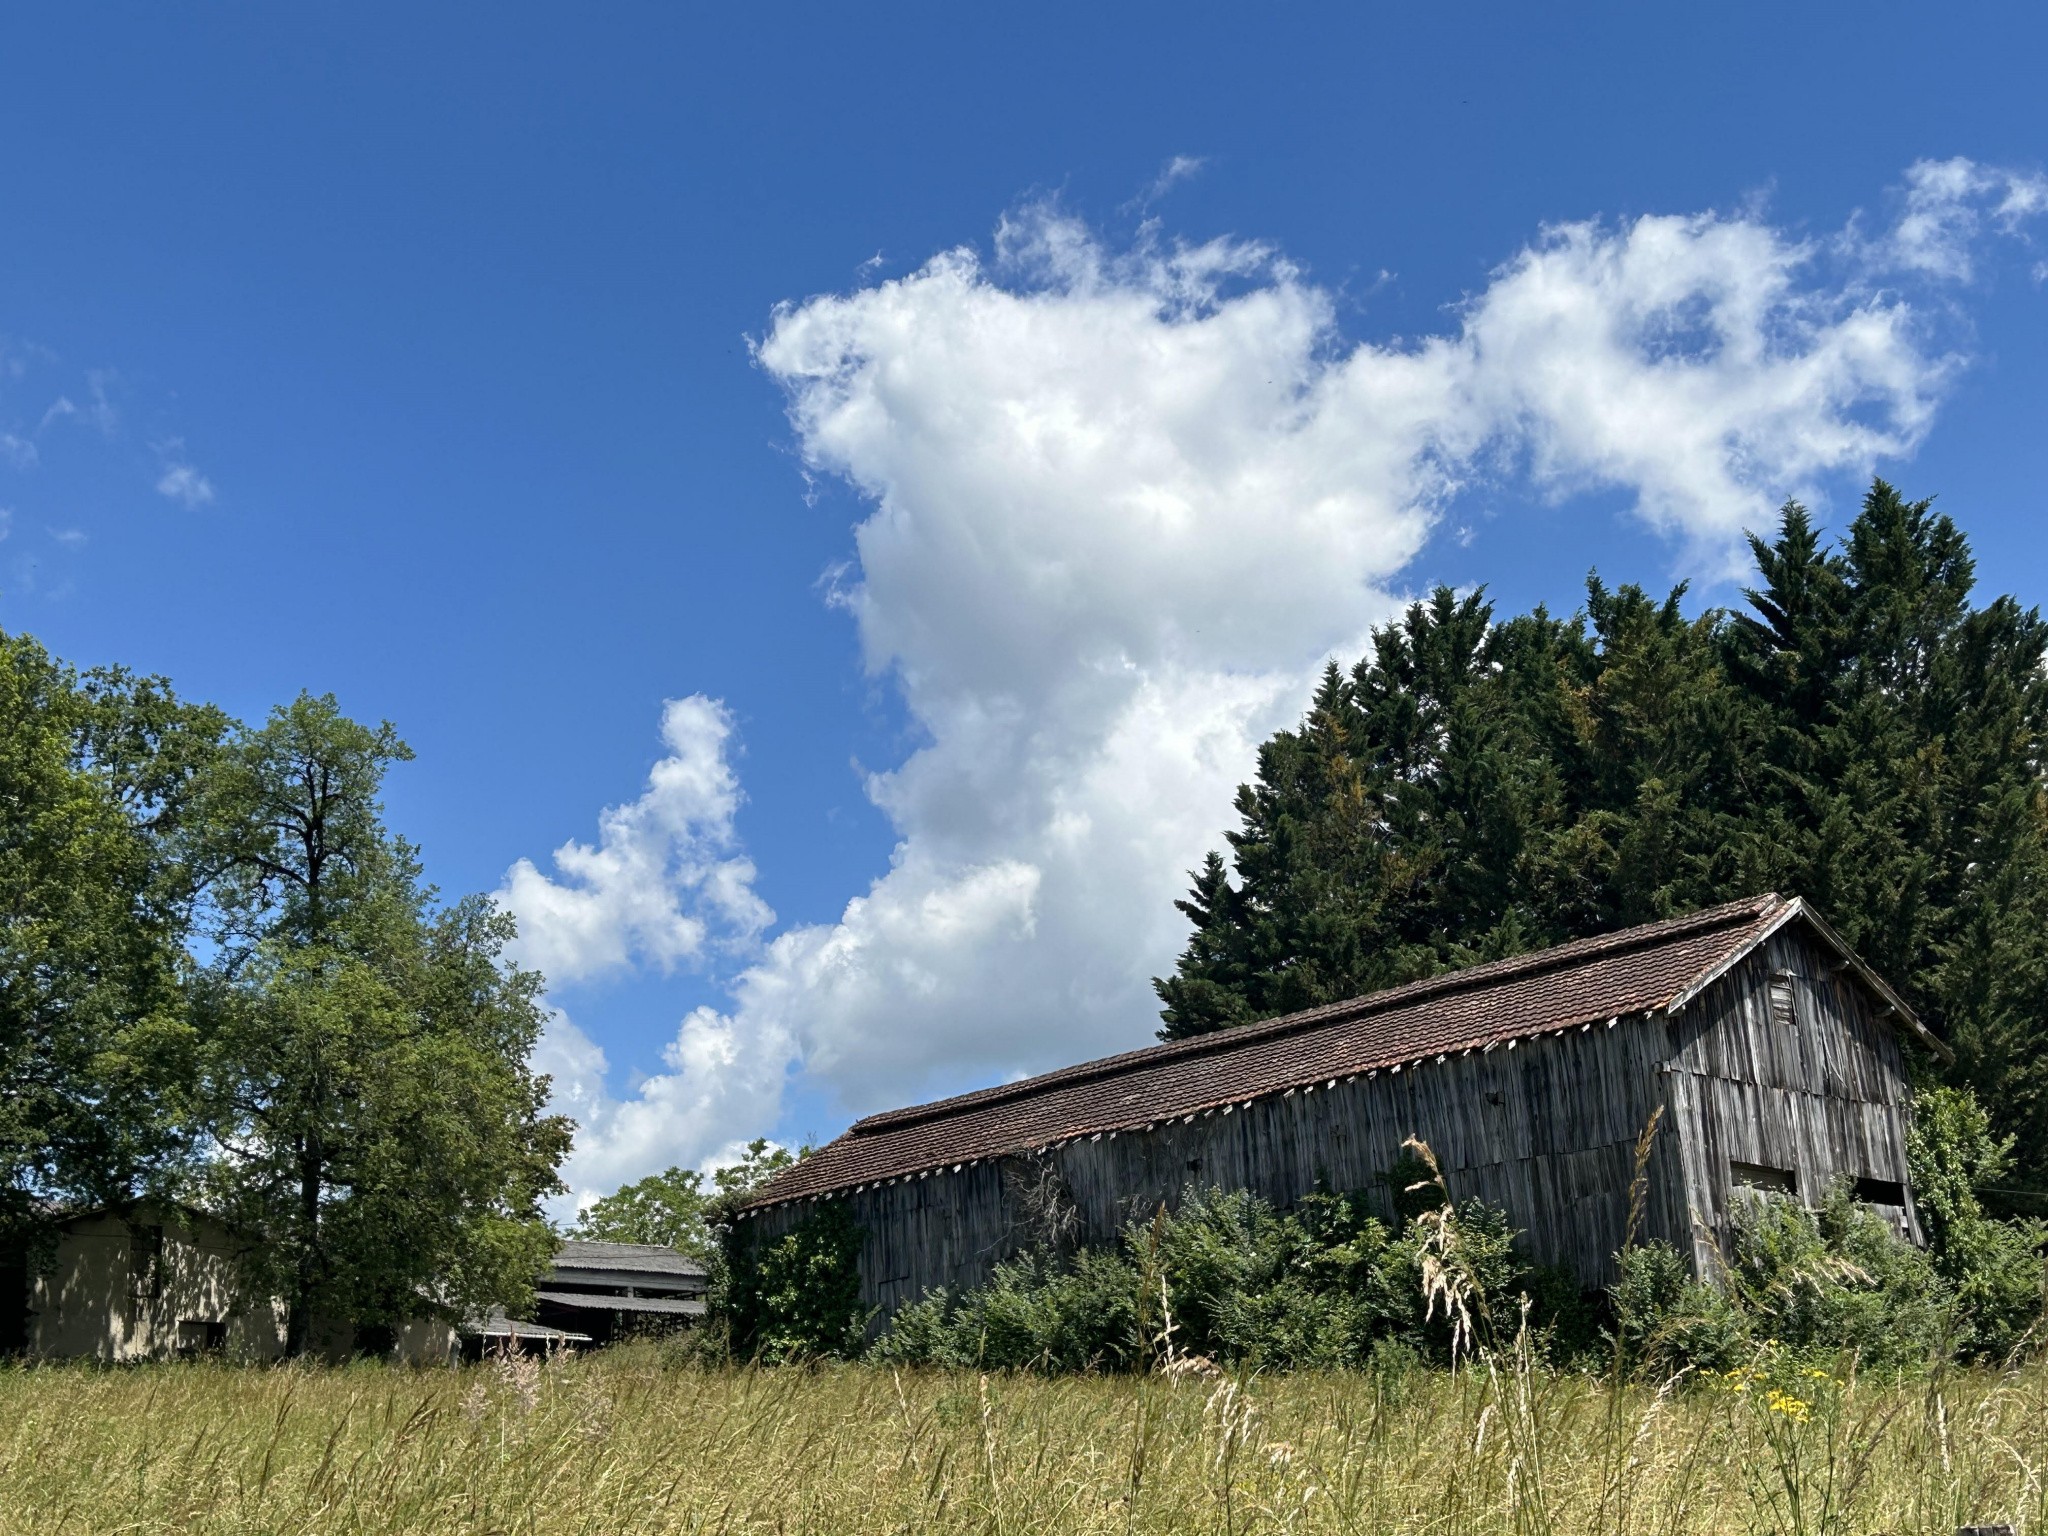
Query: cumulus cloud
{"x":1696,"y":363}
{"x":1948,"y":203}
{"x":665,"y":884}
{"x":1123,"y":504}
{"x":715,"y":1094}
{"x":664,"y":876}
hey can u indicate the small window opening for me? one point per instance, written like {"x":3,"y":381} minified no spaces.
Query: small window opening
{"x":1781,"y":999}
{"x":1880,"y":1192}
{"x":201,"y":1336}
{"x":1777,"y":1181}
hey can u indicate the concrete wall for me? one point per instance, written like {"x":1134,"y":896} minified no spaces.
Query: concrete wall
{"x":115,"y":1293}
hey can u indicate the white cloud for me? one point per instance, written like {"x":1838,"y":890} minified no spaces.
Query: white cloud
{"x":1124,"y":505}
{"x":714,"y":1080}
{"x":665,"y":884}
{"x":663,"y":874}
{"x":19,"y":451}
{"x":1696,"y":363}
{"x":1177,"y":170}
{"x":1948,"y":203}
{"x":181,"y":481}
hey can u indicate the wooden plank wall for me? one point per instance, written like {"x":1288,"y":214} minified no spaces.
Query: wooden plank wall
{"x":1545,"y":1130}
{"x":1824,"y":1098}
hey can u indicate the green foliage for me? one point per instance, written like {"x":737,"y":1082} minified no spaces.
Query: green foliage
{"x":759,"y":1162}
{"x":380,"y":1136}
{"x":1997,"y":1269}
{"x":1840,"y":1278}
{"x":97,"y":1051}
{"x":674,"y":1208}
{"x":1664,"y":1318}
{"x":1477,"y":786}
{"x":1229,"y":1278}
{"x":1836,"y":1279}
{"x":665,"y":1208}
{"x":797,"y":1297}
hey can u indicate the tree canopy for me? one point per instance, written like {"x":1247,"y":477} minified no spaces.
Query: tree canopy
{"x":1860,"y":732}
{"x":365,"y":1052}
{"x":224,"y":981}
{"x":98,"y":774}
{"x":675,"y":1210}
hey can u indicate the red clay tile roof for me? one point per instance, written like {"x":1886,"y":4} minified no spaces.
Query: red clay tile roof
{"x":1629,"y":971}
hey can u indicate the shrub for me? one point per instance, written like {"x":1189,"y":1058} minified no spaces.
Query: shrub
{"x":1995,"y":1267}
{"x":800,"y":1295}
{"x":1837,"y":1279}
{"x":1819,"y":1282}
{"x":1035,"y":1313}
{"x":1230,"y":1278}
{"x":1665,"y":1319}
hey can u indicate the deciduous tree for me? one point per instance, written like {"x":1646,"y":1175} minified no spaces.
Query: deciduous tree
{"x":381,"y":1138}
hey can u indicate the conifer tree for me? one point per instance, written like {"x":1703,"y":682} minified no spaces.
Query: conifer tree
{"x":1859,"y":733}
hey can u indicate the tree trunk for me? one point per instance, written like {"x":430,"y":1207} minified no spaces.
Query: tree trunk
{"x":299,"y":1320}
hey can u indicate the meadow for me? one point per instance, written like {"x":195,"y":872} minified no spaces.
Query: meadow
{"x":626,"y":1443}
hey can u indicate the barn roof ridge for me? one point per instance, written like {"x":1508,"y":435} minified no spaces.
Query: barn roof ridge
{"x":1556,"y":957}
{"x":1636,"y":972}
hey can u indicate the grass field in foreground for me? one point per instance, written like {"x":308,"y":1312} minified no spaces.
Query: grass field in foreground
{"x":617,"y":1444}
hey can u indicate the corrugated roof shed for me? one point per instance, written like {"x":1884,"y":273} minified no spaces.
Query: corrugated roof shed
{"x":1657,"y":966}
{"x":583,"y":1301}
{"x":641,"y":1258}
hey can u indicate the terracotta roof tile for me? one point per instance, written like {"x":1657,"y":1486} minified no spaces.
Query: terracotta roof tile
{"x":1628,"y":971}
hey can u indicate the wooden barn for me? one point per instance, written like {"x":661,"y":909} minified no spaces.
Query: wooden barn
{"x":1776,"y":1054}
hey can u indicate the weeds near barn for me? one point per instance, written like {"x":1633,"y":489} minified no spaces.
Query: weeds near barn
{"x":625,"y":1443}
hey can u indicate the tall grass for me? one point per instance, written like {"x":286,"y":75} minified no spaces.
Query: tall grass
{"x":622,"y":1443}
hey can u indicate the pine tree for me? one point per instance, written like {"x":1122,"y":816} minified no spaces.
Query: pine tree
{"x":1861,"y":734}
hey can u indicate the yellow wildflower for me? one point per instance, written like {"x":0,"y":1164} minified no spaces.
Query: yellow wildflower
{"x":1797,"y":1409}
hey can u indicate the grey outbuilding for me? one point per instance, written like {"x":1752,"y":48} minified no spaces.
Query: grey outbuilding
{"x":1773,"y":1055}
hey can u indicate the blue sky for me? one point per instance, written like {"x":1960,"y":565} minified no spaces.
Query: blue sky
{"x":511,"y":372}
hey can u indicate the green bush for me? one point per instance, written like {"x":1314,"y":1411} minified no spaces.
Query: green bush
{"x":1229,"y":1278}
{"x":1994,"y":1267}
{"x":799,"y":1296}
{"x":1036,"y":1313}
{"x":1821,"y":1283}
{"x":1665,"y":1319}
{"x":1837,"y":1279}
{"x":1825,"y":1282}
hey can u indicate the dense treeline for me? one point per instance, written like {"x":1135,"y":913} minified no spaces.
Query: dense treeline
{"x":1860,"y":733}
{"x":224,"y":982}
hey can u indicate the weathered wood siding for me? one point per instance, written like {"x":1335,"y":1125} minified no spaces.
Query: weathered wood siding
{"x":1783,"y":1064}
{"x":1822,"y":1093}
{"x":1546,"y":1129}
